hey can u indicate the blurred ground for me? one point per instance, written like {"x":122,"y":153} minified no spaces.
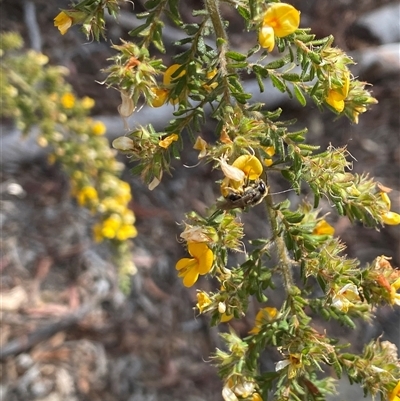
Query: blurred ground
{"x":67,"y":332}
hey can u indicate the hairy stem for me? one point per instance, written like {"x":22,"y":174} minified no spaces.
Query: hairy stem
{"x":284,"y":260}
{"x":212,"y":7}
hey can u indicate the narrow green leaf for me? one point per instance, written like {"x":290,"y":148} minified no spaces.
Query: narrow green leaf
{"x":273,"y":65}
{"x":278,"y":83}
{"x":299,"y":95}
{"x":138,"y":30}
{"x":236,"y":56}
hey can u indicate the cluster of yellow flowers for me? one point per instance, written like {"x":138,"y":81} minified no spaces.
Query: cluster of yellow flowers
{"x":112,"y":205}
{"x":95,"y":185}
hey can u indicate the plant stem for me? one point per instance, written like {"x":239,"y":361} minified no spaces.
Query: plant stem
{"x":284,"y":260}
{"x":212,"y":7}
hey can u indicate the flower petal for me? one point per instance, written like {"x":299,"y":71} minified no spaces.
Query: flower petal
{"x":283,"y":18}
{"x":191,"y":277}
{"x":391,"y":218}
{"x":250,"y":165}
{"x":266,"y":38}
{"x":184,"y":263}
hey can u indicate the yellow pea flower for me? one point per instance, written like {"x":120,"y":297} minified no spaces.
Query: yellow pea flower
{"x":203,"y":301}
{"x":87,"y":195}
{"x":167,"y":79}
{"x":323,"y":228}
{"x":245,"y":167}
{"x":394,"y":296}
{"x":279,"y":20}
{"x":160,"y":98}
{"x":166,"y":142}
{"x":394,"y":395}
{"x":63,"y":22}
{"x":210,"y":75}
{"x":337,"y":94}
{"x":225,"y":318}
{"x":201,"y":145}
{"x":126,"y":231}
{"x":87,"y":102}
{"x":343,"y":299}
{"x":200,"y":263}
{"x":264,"y":315}
{"x":98,"y":128}
{"x":68,"y":100}
{"x":270,"y":151}
{"x":111,"y":226}
{"x":389,"y":218}
{"x":250,"y":165}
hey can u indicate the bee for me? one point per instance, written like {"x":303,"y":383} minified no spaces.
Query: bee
{"x":250,"y":194}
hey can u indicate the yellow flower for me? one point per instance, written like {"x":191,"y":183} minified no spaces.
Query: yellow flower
{"x":394,"y":395}
{"x":87,"y":102}
{"x":337,"y":94}
{"x":199,"y":264}
{"x":111,"y":226}
{"x":344,"y":297}
{"x":323,"y":228}
{"x":200,"y":145}
{"x":126,"y":231}
{"x":98,"y":128}
{"x":294,"y":363}
{"x":270,"y":151}
{"x":63,"y":22}
{"x":87,"y":195}
{"x":160,"y":98}
{"x":279,"y":20}
{"x":263,"y":316}
{"x":389,"y":218}
{"x":167,"y":79}
{"x":250,"y":165}
{"x":68,"y":100}
{"x":225,"y":317}
{"x":203,"y":301}
{"x":256,"y":397}
{"x":210,"y":75}
{"x":244,"y":167}
{"x":357,"y":111}
{"x":166,"y":142}
{"x":394,"y":297}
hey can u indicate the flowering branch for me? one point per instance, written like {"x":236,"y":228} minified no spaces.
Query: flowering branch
{"x":251,"y":144}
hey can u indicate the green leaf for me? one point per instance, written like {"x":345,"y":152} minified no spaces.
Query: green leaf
{"x":191,"y":29}
{"x":278,"y":83}
{"x":260,"y":71}
{"x":244,"y":12}
{"x":292,"y":77}
{"x":273,"y":65}
{"x":236,"y":56}
{"x":138,"y":30}
{"x":299,"y":95}
{"x":237,"y":65}
{"x":260,"y":82}
{"x":294,"y":218}
{"x":241,"y":97}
